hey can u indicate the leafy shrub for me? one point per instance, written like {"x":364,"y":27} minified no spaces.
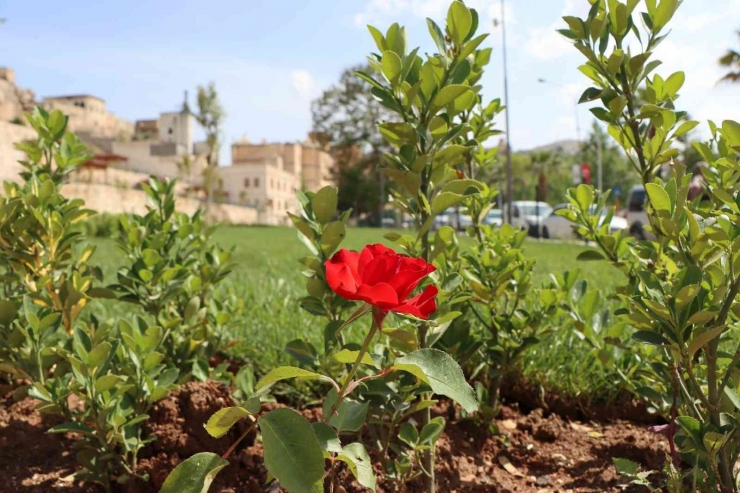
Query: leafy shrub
{"x":681,"y":295}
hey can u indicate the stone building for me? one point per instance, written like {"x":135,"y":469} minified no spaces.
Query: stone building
{"x":262,"y":177}
{"x":163,"y":147}
{"x":266,"y":176}
{"x":89,"y":116}
{"x":14,"y":101}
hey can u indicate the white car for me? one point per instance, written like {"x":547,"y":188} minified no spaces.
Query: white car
{"x":494,"y":217}
{"x":529,"y":215}
{"x":556,"y":226}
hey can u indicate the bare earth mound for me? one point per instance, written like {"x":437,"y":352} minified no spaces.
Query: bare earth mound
{"x":533,"y":453}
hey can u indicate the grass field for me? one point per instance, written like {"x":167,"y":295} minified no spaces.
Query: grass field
{"x":268,"y":279}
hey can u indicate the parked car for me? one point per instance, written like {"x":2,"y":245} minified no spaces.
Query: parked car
{"x":495,"y":217}
{"x":635,"y":213}
{"x":556,"y":226}
{"x":529,"y":215}
{"x":447,"y":218}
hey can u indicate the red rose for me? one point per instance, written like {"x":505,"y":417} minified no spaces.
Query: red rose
{"x":382,"y":278}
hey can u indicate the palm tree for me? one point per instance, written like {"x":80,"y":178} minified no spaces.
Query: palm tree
{"x":731,"y":59}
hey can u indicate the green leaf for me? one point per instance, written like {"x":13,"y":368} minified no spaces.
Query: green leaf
{"x":359,"y":463}
{"x":302,"y":226}
{"x":731,"y":131}
{"x":448,"y":94}
{"x":324,"y":204}
{"x":191,"y":308}
{"x":409,"y":180}
{"x":398,"y":134}
{"x":106,"y":382}
{"x":658,"y":197}
{"x":346,"y":356}
{"x":292,"y":452}
{"x":201,"y":370}
{"x":732,"y":395}
{"x":392,"y":66}
{"x":463,"y":187}
{"x":432,"y":431}
{"x":702,"y":338}
{"x":651,"y":338}
{"x":408,"y":434}
{"x":350,"y":415}
{"x":444,"y":201}
{"x":286,"y":372}
{"x":673,"y":84}
{"x":459,"y":22}
{"x":702,"y":317}
{"x":222,"y":420}
{"x":687,"y":294}
{"x":150,"y":257}
{"x":333,"y":234}
{"x":303,"y":352}
{"x":663,"y":14}
{"x":327,"y":437}
{"x":71,"y":427}
{"x":471,"y":45}
{"x":588,"y":255}
{"x":584,"y":196}
{"x":626,"y":467}
{"x":8,"y":311}
{"x":685,"y":128}
{"x":378,"y":37}
{"x":195,"y":474}
{"x":99,"y":355}
{"x":441,"y":373}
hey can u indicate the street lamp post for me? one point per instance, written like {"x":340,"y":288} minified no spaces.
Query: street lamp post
{"x":509,"y":181}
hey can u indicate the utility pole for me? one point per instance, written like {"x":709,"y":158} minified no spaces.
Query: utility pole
{"x":599,"y":183}
{"x":509,"y":179}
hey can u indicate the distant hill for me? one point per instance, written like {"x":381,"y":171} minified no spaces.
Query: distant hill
{"x":569,"y":147}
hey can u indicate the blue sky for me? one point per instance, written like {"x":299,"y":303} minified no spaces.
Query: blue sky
{"x":270,"y":59}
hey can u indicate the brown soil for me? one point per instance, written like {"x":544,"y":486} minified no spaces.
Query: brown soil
{"x":529,"y":398}
{"x":542,"y":452}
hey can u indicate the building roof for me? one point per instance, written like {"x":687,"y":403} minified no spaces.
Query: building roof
{"x":75,"y":96}
{"x":103,"y":161}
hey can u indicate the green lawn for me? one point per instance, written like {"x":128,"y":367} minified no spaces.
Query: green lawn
{"x":268,"y":280}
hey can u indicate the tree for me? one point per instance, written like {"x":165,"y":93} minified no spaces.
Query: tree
{"x":345,"y":118}
{"x":731,"y":59}
{"x":210,"y":116}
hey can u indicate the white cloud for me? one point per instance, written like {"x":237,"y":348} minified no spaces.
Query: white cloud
{"x":303,"y":83}
{"x":383,"y":11}
{"x":546,"y":43}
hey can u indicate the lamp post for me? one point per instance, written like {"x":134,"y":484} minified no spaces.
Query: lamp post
{"x":509,"y":182}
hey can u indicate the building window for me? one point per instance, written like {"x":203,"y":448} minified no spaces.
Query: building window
{"x":246,"y":182}
{"x":272,"y":184}
{"x":169,"y":131}
{"x":256,"y":183}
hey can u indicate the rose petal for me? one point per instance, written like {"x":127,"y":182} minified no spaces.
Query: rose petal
{"x":410,"y":273}
{"x":381,"y":295}
{"x":341,"y":273}
{"x":380,"y":269}
{"x":369,"y":253}
{"x":422,"y":305}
